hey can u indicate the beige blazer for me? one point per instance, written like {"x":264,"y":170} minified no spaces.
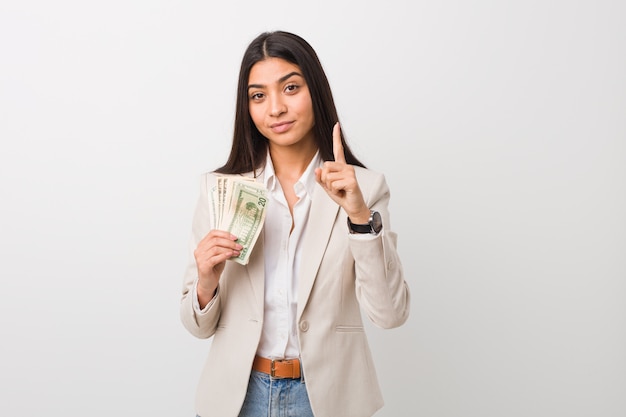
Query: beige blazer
{"x":340,"y":277}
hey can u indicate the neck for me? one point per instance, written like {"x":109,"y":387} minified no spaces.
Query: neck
{"x":290,"y":162}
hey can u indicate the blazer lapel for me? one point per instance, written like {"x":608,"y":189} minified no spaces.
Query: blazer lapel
{"x":321,"y":220}
{"x":256,"y":264}
{"x":256,"y":271}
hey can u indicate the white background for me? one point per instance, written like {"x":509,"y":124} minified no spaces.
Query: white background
{"x":500,"y":126}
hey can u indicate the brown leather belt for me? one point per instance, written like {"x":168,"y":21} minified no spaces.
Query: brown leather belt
{"x":277,"y":368}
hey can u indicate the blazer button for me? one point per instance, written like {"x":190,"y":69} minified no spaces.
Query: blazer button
{"x":304,"y":325}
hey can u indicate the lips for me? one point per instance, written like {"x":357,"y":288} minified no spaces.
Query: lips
{"x":281,"y":127}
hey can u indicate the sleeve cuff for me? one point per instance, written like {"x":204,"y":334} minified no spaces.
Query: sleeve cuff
{"x":363,"y":236}
{"x":196,"y":303}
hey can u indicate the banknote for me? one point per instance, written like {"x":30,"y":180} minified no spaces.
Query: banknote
{"x":239,"y":205}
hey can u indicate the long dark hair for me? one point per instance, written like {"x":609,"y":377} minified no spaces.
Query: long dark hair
{"x":249,"y":148}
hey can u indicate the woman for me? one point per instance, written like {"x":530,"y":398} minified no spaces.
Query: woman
{"x":286,"y":327}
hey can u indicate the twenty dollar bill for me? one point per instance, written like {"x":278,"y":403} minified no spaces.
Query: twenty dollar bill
{"x":239,"y":205}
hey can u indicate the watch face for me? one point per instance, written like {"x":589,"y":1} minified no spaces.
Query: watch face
{"x":377,"y":222}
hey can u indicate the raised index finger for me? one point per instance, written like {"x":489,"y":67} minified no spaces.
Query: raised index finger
{"x":337,"y":146}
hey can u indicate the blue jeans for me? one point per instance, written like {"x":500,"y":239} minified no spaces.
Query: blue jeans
{"x":271,"y":397}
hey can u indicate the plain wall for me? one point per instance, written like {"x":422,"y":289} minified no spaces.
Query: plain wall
{"x":500,"y":126}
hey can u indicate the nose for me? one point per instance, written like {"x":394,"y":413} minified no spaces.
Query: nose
{"x":277,"y":106}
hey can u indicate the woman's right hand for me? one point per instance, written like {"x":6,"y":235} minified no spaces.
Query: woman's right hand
{"x":211,"y":255}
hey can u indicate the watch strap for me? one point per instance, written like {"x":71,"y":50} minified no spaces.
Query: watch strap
{"x":371,"y":227}
{"x":359,"y":228}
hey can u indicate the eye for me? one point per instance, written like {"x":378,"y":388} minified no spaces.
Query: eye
{"x":291,"y":88}
{"x":256,"y":96}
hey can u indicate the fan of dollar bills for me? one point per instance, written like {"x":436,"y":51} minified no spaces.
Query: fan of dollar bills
{"x":239,"y":205}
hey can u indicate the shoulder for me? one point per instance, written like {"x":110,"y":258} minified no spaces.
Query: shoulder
{"x":368,"y":176}
{"x":209,"y":177}
{"x":207,"y":180}
{"x":373,"y":184}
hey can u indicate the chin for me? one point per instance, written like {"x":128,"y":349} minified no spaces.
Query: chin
{"x":283,"y":140}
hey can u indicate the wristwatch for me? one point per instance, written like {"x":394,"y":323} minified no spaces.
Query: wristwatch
{"x":373,"y":226}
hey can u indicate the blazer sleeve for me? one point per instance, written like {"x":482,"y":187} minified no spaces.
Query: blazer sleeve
{"x":380,"y":285}
{"x":201,"y":324}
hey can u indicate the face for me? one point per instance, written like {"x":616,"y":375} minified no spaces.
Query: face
{"x":280,"y":103}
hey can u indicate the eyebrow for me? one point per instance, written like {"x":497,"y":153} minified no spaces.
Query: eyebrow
{"x":280,"y":80}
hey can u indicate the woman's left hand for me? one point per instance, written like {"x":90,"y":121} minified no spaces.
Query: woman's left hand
{"x":339,"y":181}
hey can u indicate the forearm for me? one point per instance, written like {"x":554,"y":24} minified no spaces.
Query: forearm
{"x":380,"y":285}
{"x":200,"y":321}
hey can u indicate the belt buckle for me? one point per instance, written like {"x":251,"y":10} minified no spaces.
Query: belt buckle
{"x":273,"y":367}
